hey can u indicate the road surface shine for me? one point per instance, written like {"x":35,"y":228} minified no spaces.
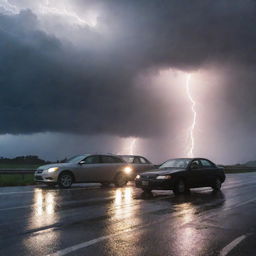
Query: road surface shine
{"x":90,"y":220}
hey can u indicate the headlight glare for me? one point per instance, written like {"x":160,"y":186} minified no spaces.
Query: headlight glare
{"x":127,"y":170}
{"x":163,"y":177}
{"x":137,"y":177}
{"x":52,"y":169}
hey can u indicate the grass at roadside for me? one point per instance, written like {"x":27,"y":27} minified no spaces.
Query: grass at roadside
{"x":18,"y":166}
{"x":16,"y":179}
{"x":238,"y":170}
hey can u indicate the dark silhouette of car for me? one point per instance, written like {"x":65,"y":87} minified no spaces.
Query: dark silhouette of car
{"x":181,"y":174}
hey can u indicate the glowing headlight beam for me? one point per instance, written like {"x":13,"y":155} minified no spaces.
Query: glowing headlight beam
{"x":52,"y":169}
{"x":192,"y":127}
{"x":128,"y":170}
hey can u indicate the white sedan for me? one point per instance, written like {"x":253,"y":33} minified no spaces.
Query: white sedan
{"x":96,"y":168}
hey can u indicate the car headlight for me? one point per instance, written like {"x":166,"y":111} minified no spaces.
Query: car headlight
{"x":163,"y":177}
{"x":137,"y":177}
{"x":52,"y":169}
{"x":127,"y":170}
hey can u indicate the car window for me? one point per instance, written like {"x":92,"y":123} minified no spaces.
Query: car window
{"x":92,"y":160}
{"x":196,"y":164}
{"x":128,"y":159}
{"x":110,"y":160}
{"x":75,"y":159}
{"x":175,"y":163}
{"x":206,"y":163}
{"x":136,"y":160}
{"x":143,"y":160}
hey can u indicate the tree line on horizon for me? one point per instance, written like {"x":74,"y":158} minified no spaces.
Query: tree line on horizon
{"x":30,"y":159}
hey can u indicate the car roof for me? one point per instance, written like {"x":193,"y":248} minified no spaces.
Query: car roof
{"x":132,"y":156}
{"x":188,"y":158}
{"x":182,"y":158}
{"x":99,"y":154}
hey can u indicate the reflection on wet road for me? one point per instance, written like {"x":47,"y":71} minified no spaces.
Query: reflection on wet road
{"x":90,"y":220}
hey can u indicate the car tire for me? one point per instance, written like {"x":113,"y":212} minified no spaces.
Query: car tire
{"x":120,"y":180}
{"x":180,"y":187}
{"x":65,"y":180}
{"x":147,"y":190}
{"x":216,"y":184}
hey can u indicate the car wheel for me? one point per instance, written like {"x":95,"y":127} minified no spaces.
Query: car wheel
{"x":120,"y":180}
{"x":65,"y":180}
{"x":180,"y":187}
{"x":147,"y":190}
{"x":217,"y":184}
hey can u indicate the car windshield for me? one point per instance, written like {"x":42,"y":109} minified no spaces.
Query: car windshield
{"x":76,"y":159}
{"x":175,"y":163}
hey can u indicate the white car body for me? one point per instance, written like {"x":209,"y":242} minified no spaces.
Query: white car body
{"x":85,"y":168}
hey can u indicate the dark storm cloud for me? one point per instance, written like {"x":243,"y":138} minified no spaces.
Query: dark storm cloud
{"x":49,"y":84}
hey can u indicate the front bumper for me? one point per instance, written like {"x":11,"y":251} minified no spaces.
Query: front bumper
{"x":154,"y":184}
{"x":45,"y":177}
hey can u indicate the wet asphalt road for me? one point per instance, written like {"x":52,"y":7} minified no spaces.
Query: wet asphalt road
{"x":90,"y":220}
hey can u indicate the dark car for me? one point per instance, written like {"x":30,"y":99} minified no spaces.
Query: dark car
{"x":181,"y":174}
{"x":139,"y":164}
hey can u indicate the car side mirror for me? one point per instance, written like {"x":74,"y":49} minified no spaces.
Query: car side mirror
{"x":82,"y":162}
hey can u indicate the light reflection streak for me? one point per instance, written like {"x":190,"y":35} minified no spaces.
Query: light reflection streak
{"x":123,"y":196}
{"x":44,"y":207}
{"x":124,"y":215}
{"x":43,"y":213}
{"x":186,"y":235}
{"x":44,"y":203}
{"x":123,"y":203}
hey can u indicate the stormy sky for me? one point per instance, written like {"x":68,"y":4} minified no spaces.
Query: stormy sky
{"x":109,"y":76}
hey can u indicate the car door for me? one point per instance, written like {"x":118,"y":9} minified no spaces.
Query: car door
{"x":111,"y":166}
{"x":136,"y":164}
{"x":210,"y":171}
{"x":195,"y":174}
{"x":145,"y":165}
{"x":88,"y":169}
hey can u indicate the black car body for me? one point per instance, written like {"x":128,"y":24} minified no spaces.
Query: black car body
{"x":181,"y":174}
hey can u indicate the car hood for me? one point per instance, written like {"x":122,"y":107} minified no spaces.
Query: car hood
{"x":47,"y":166}
{"x":164,"y":171}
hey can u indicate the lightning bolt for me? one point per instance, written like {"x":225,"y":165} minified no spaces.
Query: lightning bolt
{"x":131,"y":149}
{"x":129,"y":146}
{"x":192,"y":127}
{"x":8,"y":8}
{"x":48,"y":8}
{"x":63,"y":12}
